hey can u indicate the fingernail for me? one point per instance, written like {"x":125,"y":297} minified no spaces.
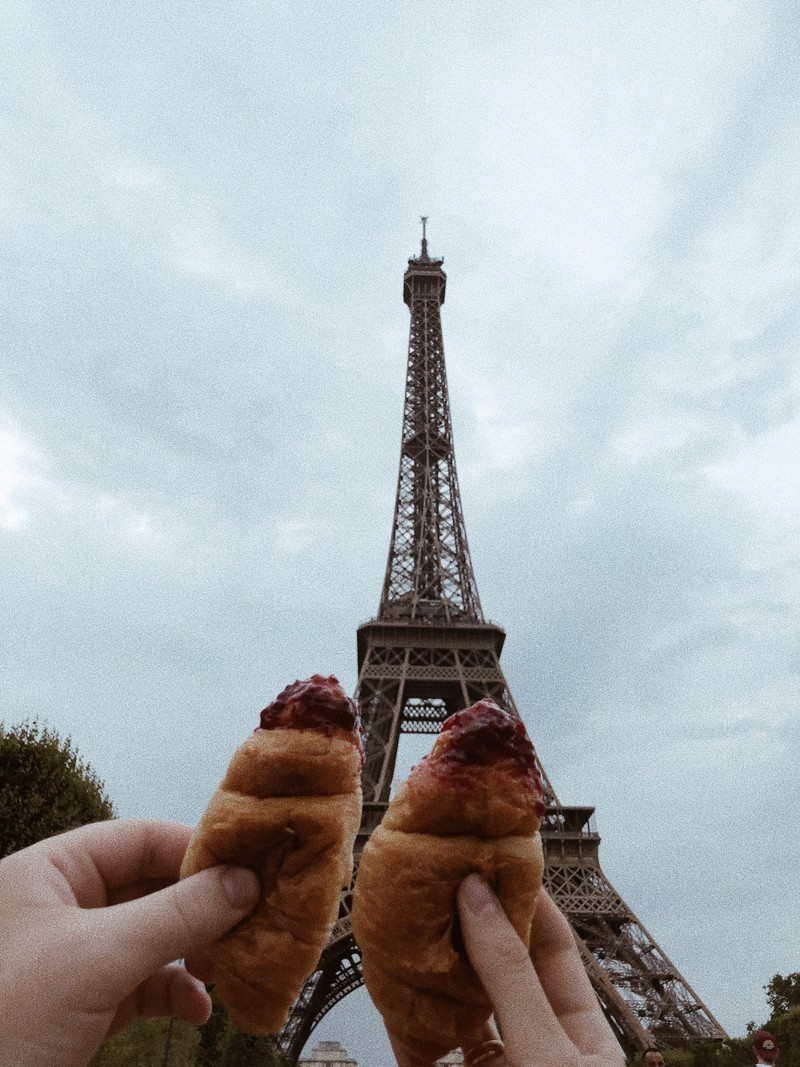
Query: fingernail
{"x":477,"y":896}
{"x":241,"y":887}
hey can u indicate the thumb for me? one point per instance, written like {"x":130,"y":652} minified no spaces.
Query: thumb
{"x":144,"y":934}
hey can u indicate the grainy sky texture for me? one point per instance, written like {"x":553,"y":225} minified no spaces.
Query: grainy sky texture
{"x":205,"y":214}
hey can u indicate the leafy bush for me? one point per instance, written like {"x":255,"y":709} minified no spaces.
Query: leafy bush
{"x":783,"y":996}
{"x":783,"y":993}
{"x":151,"y":1043}
{"x":214,"y":1037}
{"x":45,"y":787}
{"x":157,"y":1043}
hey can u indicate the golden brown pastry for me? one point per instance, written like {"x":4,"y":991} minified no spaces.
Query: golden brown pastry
{"x":289,"y":806}
{"x":473,"y":804}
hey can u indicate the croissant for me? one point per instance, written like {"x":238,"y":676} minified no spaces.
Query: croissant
{"x":289,"y":807}
{"x":474,"y":804}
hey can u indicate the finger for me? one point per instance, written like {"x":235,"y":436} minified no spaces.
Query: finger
{"x":190,"y":1000}
{"x":170,"y":991}
{"x":173,"y":991}
{"x":485,"y":1054}
{"x":487,"y":1051}
{"x":564,"y":980}
{"x":486,"y":1032}
{"x":99,"y":861}
{"x":531,"y":1032}
{"x":471,"y":1041}
{"x":136,"y":938}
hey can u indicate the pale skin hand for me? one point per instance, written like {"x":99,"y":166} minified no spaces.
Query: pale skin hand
{"x":543,"y":1001}
{"x":89,"y":921}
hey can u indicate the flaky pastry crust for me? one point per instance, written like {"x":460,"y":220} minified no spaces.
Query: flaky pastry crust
{"x":289,"y":807}
{"x":485,"y":803}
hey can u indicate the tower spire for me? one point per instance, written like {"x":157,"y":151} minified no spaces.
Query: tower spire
{"x":424,"y":253}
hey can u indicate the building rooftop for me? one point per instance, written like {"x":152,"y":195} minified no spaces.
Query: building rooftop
{"x":329,"y":1053}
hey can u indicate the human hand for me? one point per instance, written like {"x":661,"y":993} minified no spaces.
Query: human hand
{"x":89,"y":921}
{"x":543,"y":1001}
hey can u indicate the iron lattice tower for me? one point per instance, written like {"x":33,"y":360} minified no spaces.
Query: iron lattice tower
{"x":429,"y":653}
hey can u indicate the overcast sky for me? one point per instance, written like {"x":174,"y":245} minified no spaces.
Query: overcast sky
{"x":205,"y":214}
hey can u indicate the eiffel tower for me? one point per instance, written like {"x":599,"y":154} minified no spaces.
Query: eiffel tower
{"x":430,"y":652}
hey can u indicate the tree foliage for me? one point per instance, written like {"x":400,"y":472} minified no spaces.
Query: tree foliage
{"x":783,"y":993}
{"x":214,"y":1037}
{"x":150,"y":1043}
{"x":161,"y":1043}
{"x":45,"y":787}
{"x":783,"y":997}
{"x":247,"y":1051}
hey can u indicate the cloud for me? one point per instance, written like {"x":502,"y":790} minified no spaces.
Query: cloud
{"x":17,"y":479}
{"x":198,"y":254}
{"x":761,"y":474}
{"x":294,"y":535}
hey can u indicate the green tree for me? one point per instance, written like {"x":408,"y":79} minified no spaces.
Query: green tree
{"x":733,"y":1053}
{"x":214,"y":1037}
{"x":150,"y":1043}
{"x":245,"y":1050}
{"x":45,"y":787}
{"x":783,"y":993}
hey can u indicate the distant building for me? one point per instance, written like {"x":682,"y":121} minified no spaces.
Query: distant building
{"x":328,"y":1054}
{"x":331,"y":1054}
{"x":452,"y":1059}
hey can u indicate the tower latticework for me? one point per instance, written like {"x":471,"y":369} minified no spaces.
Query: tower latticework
{"x":429,"y":653}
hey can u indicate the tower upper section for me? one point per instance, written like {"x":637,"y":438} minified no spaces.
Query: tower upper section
{"x":424,"y":278}
{"x":429,"y":574}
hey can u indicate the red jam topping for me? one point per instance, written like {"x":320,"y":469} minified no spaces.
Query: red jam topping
{"x":315,"y":704}
{"x":484,"y":735}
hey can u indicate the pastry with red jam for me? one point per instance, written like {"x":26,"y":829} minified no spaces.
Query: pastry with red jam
{"x":289,"y":807}
{"x":473,"y":805}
